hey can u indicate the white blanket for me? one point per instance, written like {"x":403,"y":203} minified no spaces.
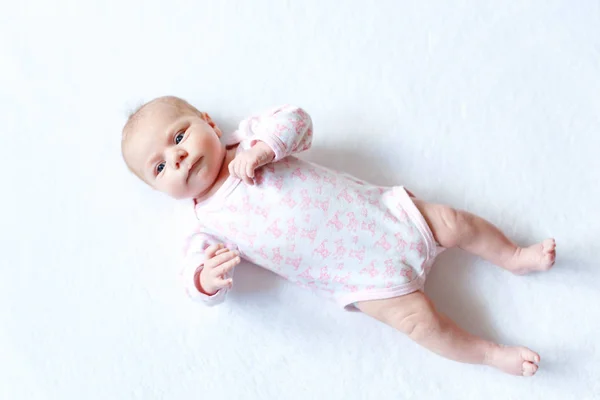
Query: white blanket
{"x":488,"y":106}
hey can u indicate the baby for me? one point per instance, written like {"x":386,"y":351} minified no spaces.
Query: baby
{"x":368,"y":248}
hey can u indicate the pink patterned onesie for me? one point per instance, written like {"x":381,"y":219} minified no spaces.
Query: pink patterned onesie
{"x":322,"y":229}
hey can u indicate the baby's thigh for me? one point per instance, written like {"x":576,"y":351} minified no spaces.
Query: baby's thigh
{"x":402,"y":312}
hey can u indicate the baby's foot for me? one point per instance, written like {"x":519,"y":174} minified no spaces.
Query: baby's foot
{"x":514,"y":360}
{"x":536,"y":258}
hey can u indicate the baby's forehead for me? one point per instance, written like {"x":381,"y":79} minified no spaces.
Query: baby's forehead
{"x":157,"y":118}
{"x":159,"y":109}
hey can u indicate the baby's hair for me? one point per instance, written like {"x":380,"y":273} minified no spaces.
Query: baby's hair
{"x":134,"y":116}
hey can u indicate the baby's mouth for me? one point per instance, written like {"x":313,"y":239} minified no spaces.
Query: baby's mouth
{"x":191,"y":169}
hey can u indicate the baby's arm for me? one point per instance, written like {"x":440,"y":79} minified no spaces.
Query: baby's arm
{"x":208,"y":268}
{"x":286,"y":130}
{"x":274,"y":135}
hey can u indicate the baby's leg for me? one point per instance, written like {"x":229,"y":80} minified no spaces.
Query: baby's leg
{"x":414,"y":315}
{"x":455,"y":228}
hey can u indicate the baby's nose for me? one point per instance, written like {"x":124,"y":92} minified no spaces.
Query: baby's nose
{"x":177,"y":156}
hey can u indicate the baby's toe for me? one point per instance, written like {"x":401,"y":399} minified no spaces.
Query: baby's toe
{"x":548,"y":253}
{"x":529,"y":368}
{"x":548,"y":261}
{"x":549,"y":245}
{"x":530,"y":355}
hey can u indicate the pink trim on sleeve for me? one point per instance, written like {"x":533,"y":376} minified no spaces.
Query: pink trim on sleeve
{"x":274,"y":143}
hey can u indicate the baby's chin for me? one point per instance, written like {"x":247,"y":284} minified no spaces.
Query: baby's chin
{"x":193,"y":188}
{"x":186,"y":197}
{"x":180,"y":194}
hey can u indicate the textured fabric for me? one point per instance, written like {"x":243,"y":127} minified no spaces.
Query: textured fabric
{"x":324,"y":230}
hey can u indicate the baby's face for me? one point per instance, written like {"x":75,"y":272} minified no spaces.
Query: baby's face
{"x":175,"y":150}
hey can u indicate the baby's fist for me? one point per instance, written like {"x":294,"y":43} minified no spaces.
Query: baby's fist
{"x":244,"y":164}
{"x":219,"y":262}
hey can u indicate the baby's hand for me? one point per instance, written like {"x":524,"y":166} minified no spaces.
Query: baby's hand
{"x":219,"y":261}
{"x":244,"y":164}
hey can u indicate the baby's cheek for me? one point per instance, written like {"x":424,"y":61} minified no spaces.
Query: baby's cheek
{"x":173,"y":189}
{"x":207,"y":141}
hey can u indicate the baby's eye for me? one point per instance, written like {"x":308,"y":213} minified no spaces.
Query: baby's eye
{"x":160,"y":167}
{"x":179,"y":137}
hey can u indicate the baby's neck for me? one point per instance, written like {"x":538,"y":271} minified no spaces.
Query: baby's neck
{"x":222,"y":176}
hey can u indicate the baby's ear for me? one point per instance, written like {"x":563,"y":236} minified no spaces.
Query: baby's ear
{"x":212,"y":123}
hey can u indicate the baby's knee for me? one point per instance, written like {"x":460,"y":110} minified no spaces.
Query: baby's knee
{"x":418,"y":322}
{"x":457,"y":226}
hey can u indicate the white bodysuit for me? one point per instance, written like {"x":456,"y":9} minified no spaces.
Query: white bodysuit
{"x":324,"y":230}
